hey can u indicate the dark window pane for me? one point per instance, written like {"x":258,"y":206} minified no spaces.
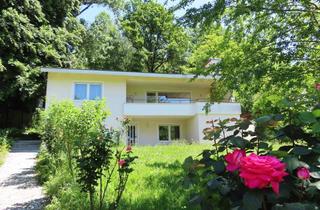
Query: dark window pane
{"x":175,"y":132}
{"x":80,"y":92}
{"x":163,"y":133}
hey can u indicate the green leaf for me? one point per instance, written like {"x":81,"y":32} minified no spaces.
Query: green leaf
{"x":219,"y":167}
{"x":292,"y":163}
{"x":264,"y":119}
{"x":237,"y":141}
{"x":316,"y":112}
{"x":263,"y":145}
{"x":252,"y":200}
{"x":195,"y":200}
{"x":316,"y":128}
{"x":307,"y":117}
{"x":315,"y":174}
{"x":316,"y":184}
{"x":301,"y":150}
{"x":188,"y":162}
{"x":214,"y":184}
{"x":278,"y":153}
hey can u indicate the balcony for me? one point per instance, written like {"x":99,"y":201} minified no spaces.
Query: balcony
{"x":176,"y":107}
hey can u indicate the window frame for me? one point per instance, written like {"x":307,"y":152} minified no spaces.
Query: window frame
{"x":169,"y":132}
{"x":87,"y":90}
{"x":163,"y":91}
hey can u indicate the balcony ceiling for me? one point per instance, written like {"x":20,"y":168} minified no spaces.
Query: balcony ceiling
{"x":171,"y":82}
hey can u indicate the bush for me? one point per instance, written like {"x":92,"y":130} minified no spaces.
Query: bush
{"x":78,"y":154}
{"x":5,"y":143}
{"x":273,"y":166}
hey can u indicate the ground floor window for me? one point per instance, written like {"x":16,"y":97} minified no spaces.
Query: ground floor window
{"x":169,"y":132}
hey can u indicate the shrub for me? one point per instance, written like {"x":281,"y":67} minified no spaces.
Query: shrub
{"x":5,"y":143}
{"x":78,"y":154}
{"x":275,"y":165}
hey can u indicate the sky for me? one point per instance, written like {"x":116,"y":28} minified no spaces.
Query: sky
{"x":90,"y":14}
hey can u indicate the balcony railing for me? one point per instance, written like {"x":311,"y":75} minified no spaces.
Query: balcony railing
{"x":159,"y":100}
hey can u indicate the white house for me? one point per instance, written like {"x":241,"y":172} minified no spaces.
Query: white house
{"x":161,"y":107}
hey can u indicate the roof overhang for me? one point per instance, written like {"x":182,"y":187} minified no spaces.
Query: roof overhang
{"x":123,"y":73}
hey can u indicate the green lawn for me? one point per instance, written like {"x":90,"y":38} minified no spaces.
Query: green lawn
{"x":156,"y":180}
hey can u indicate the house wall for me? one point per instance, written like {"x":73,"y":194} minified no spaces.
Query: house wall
{"x":61,"y":87}
{"x":148,"y":129}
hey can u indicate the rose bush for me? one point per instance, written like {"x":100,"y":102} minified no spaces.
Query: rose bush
{"x":270,"y":162}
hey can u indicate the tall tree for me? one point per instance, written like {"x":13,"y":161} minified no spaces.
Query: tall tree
{"x":160,"y":44}
{"x":29,"y":40}
{"x":104,"y":46}
{"x":278,"y":47}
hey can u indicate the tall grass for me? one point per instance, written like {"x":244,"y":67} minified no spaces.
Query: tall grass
{"x":156,"y":182}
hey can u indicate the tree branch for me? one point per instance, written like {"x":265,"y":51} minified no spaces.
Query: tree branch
{"x":84,"y":9}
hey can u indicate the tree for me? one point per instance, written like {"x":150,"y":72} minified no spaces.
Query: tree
{"x":278,"y":44}
{"x":160,"y":44}
{"x":29,"y":40}
{"x":104,"y":47}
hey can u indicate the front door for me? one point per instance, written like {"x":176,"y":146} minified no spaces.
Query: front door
{"x":132,"y":135}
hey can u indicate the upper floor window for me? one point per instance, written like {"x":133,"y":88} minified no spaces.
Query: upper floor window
{"x":169,"y":97}
{"x":87,"y":91}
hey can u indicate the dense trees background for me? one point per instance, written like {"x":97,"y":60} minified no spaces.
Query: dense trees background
{"x":277,"y":48}
{"x":268,"y":49}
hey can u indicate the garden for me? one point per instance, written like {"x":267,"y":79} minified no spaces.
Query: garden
{"x":265,"y":162}
{"x":82,"y":166}
{"x":261,"y":54}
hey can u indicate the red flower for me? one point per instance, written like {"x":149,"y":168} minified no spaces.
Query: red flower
{"x":303,"y":173}
{"x":129,"y":148}
{"x":233,"y":159}
{"x":262,"y":171}
{"x":317,"y":86}
{"x":121,"y":162}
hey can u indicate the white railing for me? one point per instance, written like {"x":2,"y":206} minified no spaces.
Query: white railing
{"x":179,"y":109}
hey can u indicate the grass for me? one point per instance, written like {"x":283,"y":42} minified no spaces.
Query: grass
{"x":156,"y":180}
{"x":3,"y":153}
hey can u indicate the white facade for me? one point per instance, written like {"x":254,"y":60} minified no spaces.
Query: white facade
{"x":131,"y":94}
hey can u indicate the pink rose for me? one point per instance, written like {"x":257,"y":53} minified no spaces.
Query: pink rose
{"x":303,"y":173}
{"x":129,"y":148}
{"x":233,"y":159}
{"x":262,"y":171}
{"x":317,"y":86}
{"x":121,"y":162}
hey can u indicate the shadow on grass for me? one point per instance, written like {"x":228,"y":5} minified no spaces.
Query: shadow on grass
{"x":166,"y":190}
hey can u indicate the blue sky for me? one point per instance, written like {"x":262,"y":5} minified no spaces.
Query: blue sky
{"x":90,"y":14}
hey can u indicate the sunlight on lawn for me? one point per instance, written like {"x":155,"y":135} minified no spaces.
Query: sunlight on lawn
{"x":156,"y":180}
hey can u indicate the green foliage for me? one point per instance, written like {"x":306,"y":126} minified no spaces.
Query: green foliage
{"x":297,"y":134}
{"x":5,"y":144}
{"x":28,"y":41}
{"x":159,"y":43}
{"x":104,"y":47}
{"x":277,"y":46}
{"x":45,"y":164}
{"x":77,"y":144}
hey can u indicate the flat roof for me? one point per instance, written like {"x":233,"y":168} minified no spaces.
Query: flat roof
{"x":122,"y":73}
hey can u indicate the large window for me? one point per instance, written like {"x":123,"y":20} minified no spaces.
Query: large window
{"x":168,"y":97}
{"x":87,"y":91}
{"x":169,"y":132}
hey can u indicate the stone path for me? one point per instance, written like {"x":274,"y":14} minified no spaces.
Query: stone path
{"x":18,"y":185}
